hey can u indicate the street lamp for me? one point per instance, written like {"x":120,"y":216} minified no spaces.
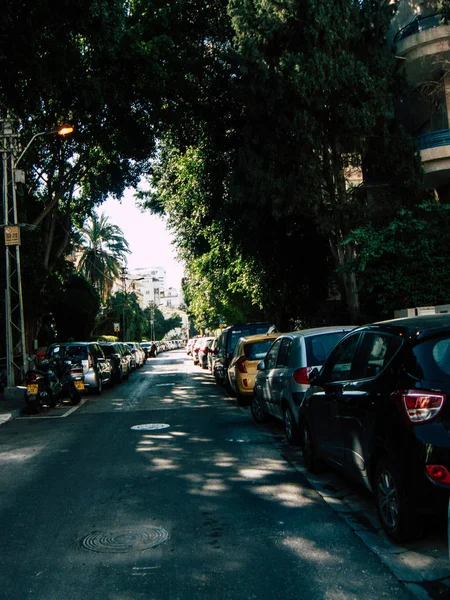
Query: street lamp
{"x":14,"y":318}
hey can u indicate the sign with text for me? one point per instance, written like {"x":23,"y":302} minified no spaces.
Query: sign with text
{"x":12,"y":235}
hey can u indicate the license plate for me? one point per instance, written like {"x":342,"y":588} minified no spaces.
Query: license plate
{"x":79,"y":384}
{"x":32,"y":389}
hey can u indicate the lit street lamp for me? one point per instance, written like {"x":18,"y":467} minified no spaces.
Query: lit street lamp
{"x":16,"y":360}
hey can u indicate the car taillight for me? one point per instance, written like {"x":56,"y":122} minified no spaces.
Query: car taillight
{"x":438,"y":473}
{"x":301,"y":375}
{"x":240,"y":364}
{"x":420,"y":406}
{"x":33,"y":377}
{"x":90,"y":361}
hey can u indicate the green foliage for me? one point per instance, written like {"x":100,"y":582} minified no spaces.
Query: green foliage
{"x":74,"y":307}
{"x":104,"y":251}
{"x":161,"y":325}
{"x":403,"y":264}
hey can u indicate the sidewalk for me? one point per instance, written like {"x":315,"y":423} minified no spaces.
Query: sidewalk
{"x":12,"y":401}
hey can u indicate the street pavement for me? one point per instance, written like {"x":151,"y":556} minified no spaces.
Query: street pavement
{"x":163,"y":488}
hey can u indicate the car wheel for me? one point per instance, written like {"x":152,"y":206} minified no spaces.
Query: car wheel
{"x":119,"y":376}
{"x":312,"y":462}
{"x":258,"y":413}
{"x":290,"y":427}
{"x":395,"y":503}
{"x":99,"y":388}
{"x":127,"y":375}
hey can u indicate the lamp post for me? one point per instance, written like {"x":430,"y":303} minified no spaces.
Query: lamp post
{"x":16,"y":360}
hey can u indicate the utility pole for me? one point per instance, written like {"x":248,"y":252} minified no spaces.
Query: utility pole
{"x":16,"y":360}
{"x":123,"y":277}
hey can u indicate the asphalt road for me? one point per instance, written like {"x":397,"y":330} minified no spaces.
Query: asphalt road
{"x":207,"y":507}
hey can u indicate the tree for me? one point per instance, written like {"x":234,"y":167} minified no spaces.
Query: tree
{"x":75,"y":307}
{"x":395,"y":273}
{"x":104,"y":251}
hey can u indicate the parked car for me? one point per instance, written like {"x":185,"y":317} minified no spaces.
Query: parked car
{"x":195,"y":350}
{"x":97,"y":370}
{"x":283,"y":376}
{"x":227,"y":342}
{"x":139,"y":354}
{"x":379,"y":409}
{"x":189,"y":344}
{"x":249,"y":351}
{"x":146,"y":346}
{"x":118,"y":360}
{"x":212,"y":355}
{"x":130,"y":357}
{"x":203,"y":351}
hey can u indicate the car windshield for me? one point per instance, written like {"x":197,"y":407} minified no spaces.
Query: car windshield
{"x":432,"y":359}
{"x":318,"y":347}
{"x":245,"y":332}
{"x":257,"y":350}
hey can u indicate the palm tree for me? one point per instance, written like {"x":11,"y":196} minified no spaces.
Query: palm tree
{"x":104,"y":251}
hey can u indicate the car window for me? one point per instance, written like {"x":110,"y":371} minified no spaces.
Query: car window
{"x":377,"y":350}
{"x":108,"y":350}
{"x":77,"y":352}
{"x":283,"y":355}
{"x":339,"y":366}
{"x":432,"y":359}
{"x":319,"y":347}
{"x":271,"y":358}
{"x":257,"y":350}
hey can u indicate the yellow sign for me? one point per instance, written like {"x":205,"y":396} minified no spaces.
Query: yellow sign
{"x":12,"y":235}
{"x":116,"y":326}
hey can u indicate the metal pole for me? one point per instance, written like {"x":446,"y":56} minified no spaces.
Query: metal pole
{"x":14,"y":315}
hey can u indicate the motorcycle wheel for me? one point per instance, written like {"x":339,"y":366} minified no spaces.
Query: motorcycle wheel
{"x":53,"y":401}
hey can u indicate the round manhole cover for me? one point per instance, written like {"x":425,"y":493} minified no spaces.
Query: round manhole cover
{"x":150,"y":426}
{"x":120,"y":541}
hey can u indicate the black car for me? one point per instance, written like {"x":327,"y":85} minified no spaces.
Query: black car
{"x":380,"y":410}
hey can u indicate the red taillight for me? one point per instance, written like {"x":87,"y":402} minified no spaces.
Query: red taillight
{"x":438,"y":473}
{"x":33,"y":377}
{"x":420,"y":406}
{"x":240,"y":364}
{"x":245,"y":382}
{"x":90,"y":361}
{"x":301,"y":375}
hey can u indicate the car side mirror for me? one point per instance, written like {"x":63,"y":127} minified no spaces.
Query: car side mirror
{"x":314,"y":376}
{"x":261,"y":366}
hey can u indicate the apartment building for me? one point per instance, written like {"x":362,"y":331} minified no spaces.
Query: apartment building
{"x":421,"y":42}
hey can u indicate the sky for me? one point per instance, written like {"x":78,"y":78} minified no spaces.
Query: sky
{"x":149,"y":240}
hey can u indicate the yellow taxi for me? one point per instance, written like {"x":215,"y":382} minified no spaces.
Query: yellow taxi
{"x":248,"y":352}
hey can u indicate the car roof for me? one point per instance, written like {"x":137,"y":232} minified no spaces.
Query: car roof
{"x":413,"y":327}
{"x":320,"y":330}
{"x":259,"y":337}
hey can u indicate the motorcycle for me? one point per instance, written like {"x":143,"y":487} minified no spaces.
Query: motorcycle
{"x":53,"y":381}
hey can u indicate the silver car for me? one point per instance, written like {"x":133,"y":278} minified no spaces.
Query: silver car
{"x":283,"y":376}
{"x":97,"y":370}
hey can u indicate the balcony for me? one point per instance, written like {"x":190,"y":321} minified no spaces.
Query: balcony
{"x":420,"y":43}
{"x":435,"y":155}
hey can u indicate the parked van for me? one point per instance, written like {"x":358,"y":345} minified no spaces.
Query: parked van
{"x":226,"y":343}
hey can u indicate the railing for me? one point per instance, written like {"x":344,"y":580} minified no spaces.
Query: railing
{"x":419,"y":24}
{"x":434,"y":139}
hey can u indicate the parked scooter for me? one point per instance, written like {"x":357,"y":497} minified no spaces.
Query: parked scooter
{"x":52,"y":382}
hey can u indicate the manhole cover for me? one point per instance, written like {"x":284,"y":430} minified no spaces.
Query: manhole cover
{"x":120,"y":541}
{"x":151,"y":426}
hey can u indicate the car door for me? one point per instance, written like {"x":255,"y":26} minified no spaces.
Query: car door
{"x":362,"y":397}
{"x":264,"y":377}
{"x":323,"y":413}
{"x":279,"y":378}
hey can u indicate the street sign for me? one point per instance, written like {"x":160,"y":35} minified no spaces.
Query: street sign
{"x":116,"y":326}
{"x":12,"y":235}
